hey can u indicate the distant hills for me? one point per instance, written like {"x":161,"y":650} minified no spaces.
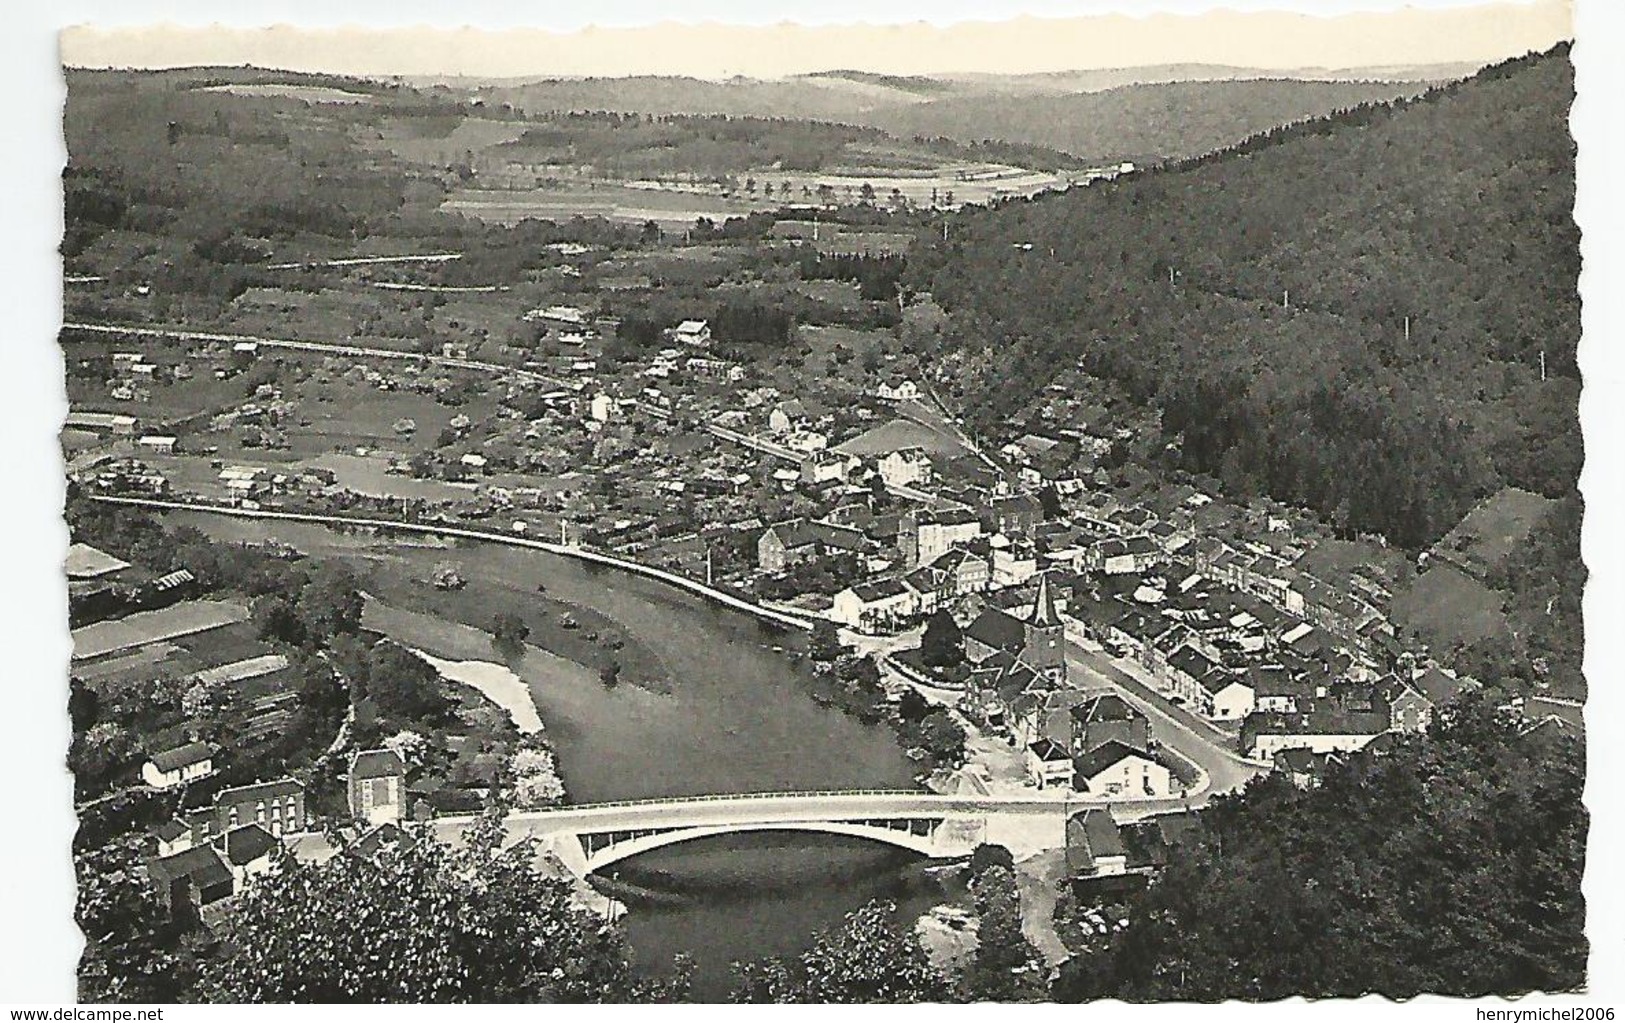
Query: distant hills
{"x":1110,"y":115}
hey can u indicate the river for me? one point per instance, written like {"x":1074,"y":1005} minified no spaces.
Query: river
{"x":732,"y":719}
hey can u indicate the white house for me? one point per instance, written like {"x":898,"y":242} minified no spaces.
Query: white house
{"x":377,"y":786}
{"x":1116,"y":769}
{"x":157,"y":445}
{"x":1229,"y":700}
{"x":905,"y":467}
{"x":179,"y":765}
{"x":474,"y":461}
{"x":824,"y":467}
{"x":897,"y":389}
{"x":601,"y":407}
{"x":693,"y":332}
{"x":1049,"y":764}
{"x":871,"y":604}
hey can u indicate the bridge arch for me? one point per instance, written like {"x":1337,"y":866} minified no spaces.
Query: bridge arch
{"x":925,"y":837}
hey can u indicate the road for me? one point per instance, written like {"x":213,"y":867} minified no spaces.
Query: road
{"x":1208,"y":747}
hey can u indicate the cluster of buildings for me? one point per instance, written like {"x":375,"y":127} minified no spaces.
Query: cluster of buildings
{"x":222,"y":838}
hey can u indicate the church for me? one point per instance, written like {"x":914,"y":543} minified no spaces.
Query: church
{"x":1016,"y":660}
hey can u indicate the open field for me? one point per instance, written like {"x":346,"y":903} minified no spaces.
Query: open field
{"x":1446,"y":606}
{"x":899,"y":434}
{"x":304,"y":93}
{"x":612,"y":202}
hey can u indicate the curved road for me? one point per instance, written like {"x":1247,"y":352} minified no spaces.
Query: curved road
{"x":1197,"y":741}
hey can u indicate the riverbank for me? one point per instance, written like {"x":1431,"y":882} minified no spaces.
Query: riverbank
{"x":777,"y":616}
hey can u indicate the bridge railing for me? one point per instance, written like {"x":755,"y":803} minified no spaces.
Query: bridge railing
{"x":723,"y":797}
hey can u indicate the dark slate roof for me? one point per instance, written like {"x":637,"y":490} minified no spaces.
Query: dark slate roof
{"x":878,"y":589}
{"x":1105,"y":707}
{"x":1437,"y":686}
{"x":377,"y":763}
{"x":1110,"y":752}
{"x":247,"y":844}
{"x":1044,"y":612}
{"x":201,"y":864}
{"x":998,"y":629}
{"x":1048,"y":749}
{"x":182,"y":756}
{"x":170,"y":830}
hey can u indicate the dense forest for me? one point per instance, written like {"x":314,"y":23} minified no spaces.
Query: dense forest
{"x":1403,"y":874}
{"x":1375,"y":315}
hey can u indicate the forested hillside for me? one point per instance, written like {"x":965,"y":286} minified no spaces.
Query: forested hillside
{"x":1399,"y":876}
{"x":1143,"y":123}
{"x":1350,"y":314}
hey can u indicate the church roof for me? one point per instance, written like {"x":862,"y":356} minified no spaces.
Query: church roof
{"x":1044,"y":612}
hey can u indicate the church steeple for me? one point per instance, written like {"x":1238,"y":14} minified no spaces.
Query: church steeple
{"x":1044,"y":613}
{"x":1045,"y":648}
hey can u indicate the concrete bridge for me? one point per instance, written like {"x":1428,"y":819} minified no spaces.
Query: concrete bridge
{"x":591,"y":837}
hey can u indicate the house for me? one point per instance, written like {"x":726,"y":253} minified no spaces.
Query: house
{"x":786,"y":416}
{"x":926,"y":535}
{"x":1325,"y":727}
{"x":871,"y":604}
{"x":191,"y":880}
{"x":376,"y":788}
{"x":1049,"y":764}
{"x":601,"y":408}
{"x":905,"y":467}
{"x":1121,"y":556}
{"x":278,"y":805}
{"x":172,"y":836}
{"x":155,"y":444}
{"x":1304,"y":768}
{"x":1094,"y":845}
{"x":247,"y":851}
{"x":1014,"y":515}
{"x":896,"y":388}
{"x":178,"y":766}
{"x":693,"y":332}
{"x":825,"y":467}
{"x":797,"y":540}
{"x":1013,"y":563}
{"x":1107,"y":717}
{"x":962,"y":572}
{"x":1115,"y":769}
{"x":1409,"y":709}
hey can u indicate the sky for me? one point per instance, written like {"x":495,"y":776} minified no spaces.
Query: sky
{"x":1157,"y":32}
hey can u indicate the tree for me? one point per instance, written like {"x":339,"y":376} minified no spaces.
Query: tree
{"x":610,"y":674}
{"x":424,"y":923}
{"x":942,"y":644}
{"x":135,"y":951}
{"x":986,"y":855}
{"x":943,"y":738}
{"x":869,"y":959}
{"x":1006,"y":967}
{"x":509,"y":632}
{"x":824,"y":645}
{"x":1405,"y":873}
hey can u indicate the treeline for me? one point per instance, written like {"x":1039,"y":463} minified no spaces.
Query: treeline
{"x":1450,"y":865}
{"x":1355,"y":313}
{"x":877,"y":277}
